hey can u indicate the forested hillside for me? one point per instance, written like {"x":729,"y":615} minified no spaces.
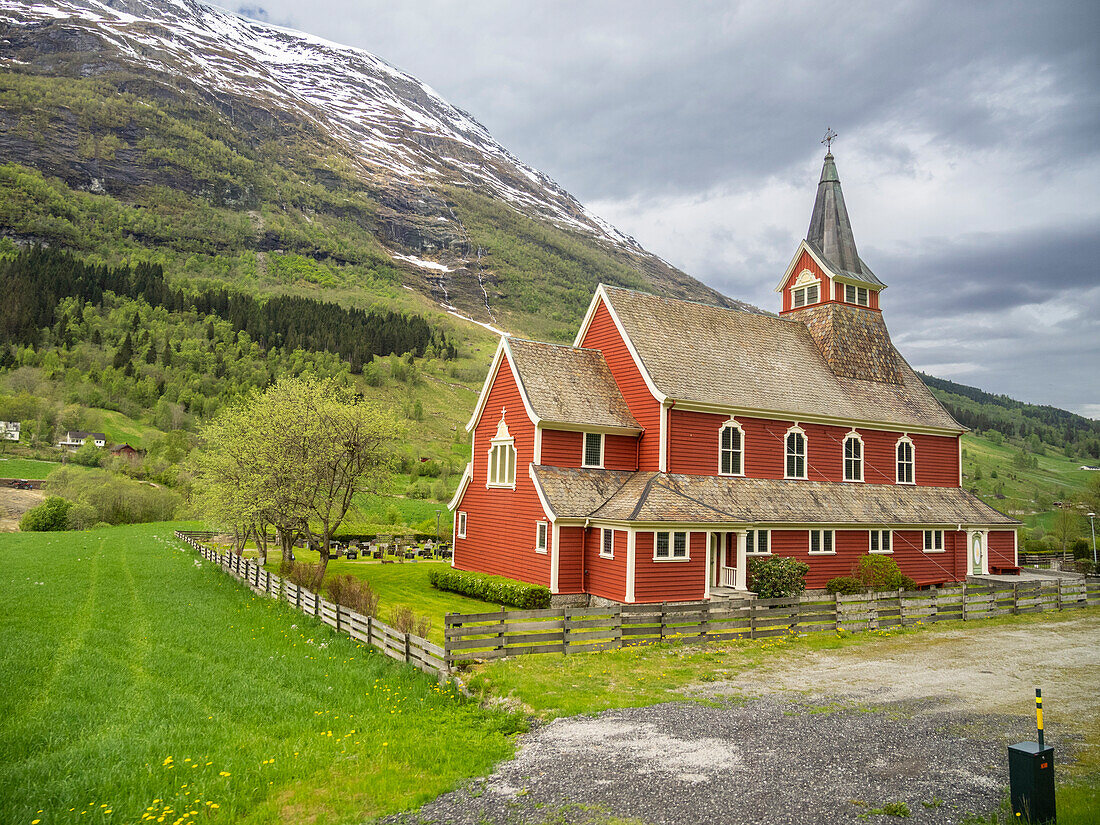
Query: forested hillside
{"x":1032,"y":425}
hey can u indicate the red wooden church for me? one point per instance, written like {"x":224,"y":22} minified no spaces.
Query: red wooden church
{"x":675,"y":440}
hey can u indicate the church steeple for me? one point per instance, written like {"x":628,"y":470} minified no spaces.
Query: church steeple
{"x":830,"y":231}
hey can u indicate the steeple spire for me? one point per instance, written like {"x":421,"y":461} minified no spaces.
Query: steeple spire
{"x":830,"y":229}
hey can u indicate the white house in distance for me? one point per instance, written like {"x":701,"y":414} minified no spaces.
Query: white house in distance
{"x":9,"y":430}
{"x":75,"y":439}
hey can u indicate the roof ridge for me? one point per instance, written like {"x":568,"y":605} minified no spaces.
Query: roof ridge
{"x":513,"y":339}
{"x":755,"y":310}
{"x":641,"y":498}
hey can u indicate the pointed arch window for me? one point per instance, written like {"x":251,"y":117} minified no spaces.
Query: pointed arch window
{"x":502,"y":458}
{"x":731,"y":449}
{"x":796,"y":453}
{"x":906,"y":461}
{"x":853,"y":457}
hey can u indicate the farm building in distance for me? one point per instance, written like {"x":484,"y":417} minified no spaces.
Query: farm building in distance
{"x":675,"y":440}
{"x":9,"y":430}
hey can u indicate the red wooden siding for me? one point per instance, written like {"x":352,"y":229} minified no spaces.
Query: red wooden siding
{"x":929,"y":568}
{"x":561,"y":448}
{"x":852,"y":545}
{"x":806,"y":262}
{"x":570,"y":551}
{"x":936,"y":460}
{"x":669,"y":581}
{"x":693,"y":450}
{"x":1002,"y":548}
{"x":605,"y":577}
{"x":500,"y":523}
{"x":603,"y":335}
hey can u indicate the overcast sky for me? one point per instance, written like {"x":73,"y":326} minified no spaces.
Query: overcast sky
{"x":969,"y":148}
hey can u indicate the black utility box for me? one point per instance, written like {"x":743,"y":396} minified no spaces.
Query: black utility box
{"x":1031,"y":782}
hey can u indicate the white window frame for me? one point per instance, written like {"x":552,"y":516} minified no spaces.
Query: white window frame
{"x":805,"y":453}
{"x":821,"y":535}
{"x":604,"y":552}
{"x":740,"y":451}
{"x":905,"y":439}
{"x":542,"y":536}
{"x":502,"y":448}
{"x":460,"y":529}
{"x":584,"y":450}
{"x":853,"y":295}
{"x":852,"y":436}
{"x":671,"y":540}
{"x":880,"y":535}
{"x":803,"y":292}
{"x":936,"y":537}
{"x":752,"y":542}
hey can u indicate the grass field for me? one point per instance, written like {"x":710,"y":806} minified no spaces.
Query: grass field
{"x":196,"y":701}
{"x":26,"y":468}
{"x":404,"y":585}
{"x":1056,"y":477}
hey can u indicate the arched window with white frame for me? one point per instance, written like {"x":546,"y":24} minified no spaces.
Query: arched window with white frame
{"x":806,"y":290}
{"x":502,"y":458}
{"x":796,"y":452}
{"x":731,"y":449}
{"x":853,"y":457}
{"x":906,"y":461}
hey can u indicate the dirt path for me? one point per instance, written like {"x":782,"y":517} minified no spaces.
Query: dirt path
{"x":830,"y":736}
{"x":14,"y":503}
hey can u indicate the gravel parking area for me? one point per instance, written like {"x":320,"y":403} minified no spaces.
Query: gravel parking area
{"x":834,"y":736}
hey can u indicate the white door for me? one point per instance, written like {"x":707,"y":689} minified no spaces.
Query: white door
{"x":977,"y":555}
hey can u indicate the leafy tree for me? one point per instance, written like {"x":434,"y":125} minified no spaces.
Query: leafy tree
{"x":1065,"y":527}
{"x":88,"y":454}
{"x":125,"y":352}
{"x":295,"y":457}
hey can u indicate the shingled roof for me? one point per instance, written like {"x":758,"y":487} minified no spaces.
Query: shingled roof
{"x":665,"y":497}
{"x":570,"y":385}
{"x":728,"y":359}
{"x":830,"y":233}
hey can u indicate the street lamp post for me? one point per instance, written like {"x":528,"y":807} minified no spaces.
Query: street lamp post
{"x":1092,"y":523}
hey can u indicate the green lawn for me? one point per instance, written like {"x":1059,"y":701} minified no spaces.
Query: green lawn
{"x":26,"y":468}
{"x":117,"y":427}
{"x":402,"y":585}
{"x":139,"y":680}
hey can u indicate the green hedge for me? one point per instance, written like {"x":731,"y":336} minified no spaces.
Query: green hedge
{"x":496,"y":589}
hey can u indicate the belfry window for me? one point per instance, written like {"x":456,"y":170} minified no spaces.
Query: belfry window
{"x":856,"y":295}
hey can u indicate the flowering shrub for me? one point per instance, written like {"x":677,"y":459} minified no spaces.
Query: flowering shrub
{"x":496,"y":589}
{"x":777,"y":577}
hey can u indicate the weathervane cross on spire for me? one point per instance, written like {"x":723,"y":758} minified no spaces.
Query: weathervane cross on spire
{"x":830,"y":136}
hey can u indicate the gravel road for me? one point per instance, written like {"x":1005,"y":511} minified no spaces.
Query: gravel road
{"x":821,"y":737}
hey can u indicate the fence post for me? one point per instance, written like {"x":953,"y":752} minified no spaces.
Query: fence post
{"x":934,"y":613}
{"x":338,"y":617}
{"x":664,"y":614}
{"x":963,"y":606}
{"x":565,"y":630}
{"x":839,"y":622}
{"x":1015,"y":599}
{"x":1059,"y":593}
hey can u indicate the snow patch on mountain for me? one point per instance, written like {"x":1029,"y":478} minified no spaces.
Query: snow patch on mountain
{"x":388,"y":119}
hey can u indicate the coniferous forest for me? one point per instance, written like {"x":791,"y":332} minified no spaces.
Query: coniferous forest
{"x":35,"y":280}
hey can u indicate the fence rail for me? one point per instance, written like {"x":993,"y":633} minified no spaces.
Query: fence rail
{"x":404,"y":647}
{"x":503,"y":633}
{"x":495,"y":635}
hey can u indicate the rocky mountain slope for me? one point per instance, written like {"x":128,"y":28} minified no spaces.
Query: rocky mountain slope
{"x":175,"y":127}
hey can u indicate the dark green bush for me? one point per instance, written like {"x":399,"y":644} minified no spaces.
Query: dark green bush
{"x":881,"y":573}
{"x":844,"y":585}
{"x":1081,"y":549}
{"x":496,"y":589}
{"x":51,"y":514}
{"x":777,"y":577}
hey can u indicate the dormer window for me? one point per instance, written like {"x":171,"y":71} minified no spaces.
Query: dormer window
{"x":593,"y":450}
{"x":502,"y":458}
{"x":806,"y":290}
{"x":856,"y":295}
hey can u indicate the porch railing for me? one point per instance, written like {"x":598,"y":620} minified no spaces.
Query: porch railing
{"x":729,"y":577}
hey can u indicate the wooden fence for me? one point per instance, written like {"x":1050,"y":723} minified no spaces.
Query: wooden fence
{"x":405,"y":647}
{"x":479,"y":636}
